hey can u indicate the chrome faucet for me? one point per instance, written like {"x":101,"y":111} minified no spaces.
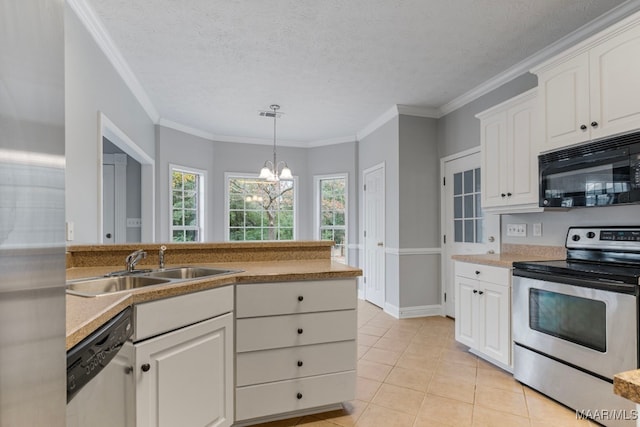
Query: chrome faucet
{"x":161,"y":257}
{"x":133,"y":258}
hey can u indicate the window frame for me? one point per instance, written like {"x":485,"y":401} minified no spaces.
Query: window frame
{"x":232,"y":175}
{"x":317,"y":204}
{"x":202,"y":210}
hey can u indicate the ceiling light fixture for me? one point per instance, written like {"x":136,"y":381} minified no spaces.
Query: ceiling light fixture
{"x":270,"y":169}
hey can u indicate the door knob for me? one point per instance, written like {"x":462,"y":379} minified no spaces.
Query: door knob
{"x":145,"y":367}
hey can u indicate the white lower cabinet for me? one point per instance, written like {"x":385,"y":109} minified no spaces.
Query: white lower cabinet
{"x":483,"y":310}
{"x":295,"y":346}
{"x":185,"y":377}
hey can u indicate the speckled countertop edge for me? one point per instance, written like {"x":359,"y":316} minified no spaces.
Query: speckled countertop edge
{"x":86,"y":314}
{"x":627,"y":385}
{"x":514,"y":253}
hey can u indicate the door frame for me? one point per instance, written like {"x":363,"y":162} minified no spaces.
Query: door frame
{"x":108,"y":129}
{"x":366,"y":171}
{"x":443,"y":224}
{"x":119,"y":161}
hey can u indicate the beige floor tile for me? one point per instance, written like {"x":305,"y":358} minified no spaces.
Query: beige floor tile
{"x":457,"y":371}
{"x":362,"y":349}
{"x":347,"y":416}
{"x":399,"y":398}
{"x":497,"y":378}
{"x":452,"y":388}
{"x":400,"y":333}
{"x":411,"y":378}
{"x":438,"y":409}
{"x":373,"y":330}
{"x":368,"y":340}
{"x":485,"y":417}
{"x":378,"y":416}
{"x":382,"y":322}
{"x":373,"y":370}
{"x":460,"y":357}
{"x":427,"y":349}
{"x":418,"y":361}
{"x":366,"y":388}
{"x":382,"y":356}
{"x":542,"y":408}
{"x":432,"y":340}
{"x":502,"y":400}
{"x":393,"y":344}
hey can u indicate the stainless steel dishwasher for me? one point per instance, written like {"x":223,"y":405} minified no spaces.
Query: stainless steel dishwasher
{"x":99,"y":381}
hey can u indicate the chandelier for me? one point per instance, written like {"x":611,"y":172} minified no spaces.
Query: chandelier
{"x":271,"y":170}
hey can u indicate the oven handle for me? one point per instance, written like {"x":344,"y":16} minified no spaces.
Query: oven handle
{"x":621,"y":288}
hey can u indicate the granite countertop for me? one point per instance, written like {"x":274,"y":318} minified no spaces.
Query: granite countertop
{"x":514,"y":253}
{"x":627,"y":385}
{"x":86,"y":314}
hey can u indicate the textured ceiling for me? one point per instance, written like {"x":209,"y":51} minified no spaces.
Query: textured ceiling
{"x":333,"y":65}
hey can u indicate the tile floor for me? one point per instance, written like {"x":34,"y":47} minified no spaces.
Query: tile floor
{"x":412,"y":373}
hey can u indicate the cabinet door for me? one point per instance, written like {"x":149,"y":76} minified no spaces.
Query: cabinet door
{"x":188,"y":380}
{"x":466,"y":311}
{"x":522,"y":163}
{"x":615,"y":84}
{"x":494,"y":159}
{"x":564,"y":103}
{"x":495,"y":330}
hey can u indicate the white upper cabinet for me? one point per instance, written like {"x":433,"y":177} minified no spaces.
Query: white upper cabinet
{"x":509,"y":164}
{"x":592,"y":90}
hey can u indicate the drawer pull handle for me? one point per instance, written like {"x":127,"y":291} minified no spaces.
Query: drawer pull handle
{"x":300,"y":298}
{"x":475,"y":291}
{"x":299,"y":362}
{"x":299,"y":395}
{"x":481,"y":292}
{"x":300,"y":330}
{"x":145,"y":367}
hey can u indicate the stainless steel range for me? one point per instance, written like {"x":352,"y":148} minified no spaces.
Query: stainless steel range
{"x":575,"y":321}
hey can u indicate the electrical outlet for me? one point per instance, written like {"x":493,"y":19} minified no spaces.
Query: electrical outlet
{"x":134,"y":222}
{"x":69,"y":229}
{"x":536,"y":229}
{"x":517,"y":230}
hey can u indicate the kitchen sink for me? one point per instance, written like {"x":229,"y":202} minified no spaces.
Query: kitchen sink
{"x":107,"y":285}
{"x":190,"y":272}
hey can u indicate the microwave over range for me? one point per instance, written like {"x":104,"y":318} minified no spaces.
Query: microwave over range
{"x":600,"y":173}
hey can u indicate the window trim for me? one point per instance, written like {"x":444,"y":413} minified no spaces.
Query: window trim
{"x":316,"y":206}
{"x":202,"y":205}
{"x":245,"y":175}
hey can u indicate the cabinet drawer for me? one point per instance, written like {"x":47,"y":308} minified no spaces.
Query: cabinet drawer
{"x":284,"y":363}
{"x":261,"y":333}
{"x":265,"y":299}
{"x":486,"y":273}
{"x":156,"y":317}
{"x":286,"y":396}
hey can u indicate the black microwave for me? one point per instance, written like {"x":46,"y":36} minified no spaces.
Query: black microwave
{"x":600,"y":173}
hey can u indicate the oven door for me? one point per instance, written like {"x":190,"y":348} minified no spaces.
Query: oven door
{"x":591,"y":329}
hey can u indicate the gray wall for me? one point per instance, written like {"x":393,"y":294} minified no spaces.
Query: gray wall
{"x":92,"y":85}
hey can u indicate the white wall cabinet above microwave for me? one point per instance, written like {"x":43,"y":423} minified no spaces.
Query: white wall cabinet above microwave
{"x":509,"y":164}
{"x":591,"y":90}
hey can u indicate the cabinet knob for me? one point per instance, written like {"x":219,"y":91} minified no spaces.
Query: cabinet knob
{"x":583,"y":127}
{"x":594,"y":124}
{"x":299,"y":395}
{"x":477,"y":272}
{"x":480,"y":292}
{"x":503,"y":195}
{"x":509,"y":194}
{"x":300,"y":363}
{"x":300,"y":298}
{"x":475,"y":291}
{"x":145,"y":367}
{"x":300,"y":330}
{"x":108,"y":235}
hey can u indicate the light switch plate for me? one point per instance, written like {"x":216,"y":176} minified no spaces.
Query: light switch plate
{"x":517,"y":230}
{"x":536,"y":229}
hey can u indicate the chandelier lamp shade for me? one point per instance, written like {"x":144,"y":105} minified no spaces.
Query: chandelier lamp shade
{"x":273,"y":170}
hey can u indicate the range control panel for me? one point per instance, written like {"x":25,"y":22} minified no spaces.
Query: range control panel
{"x":607,"y":238}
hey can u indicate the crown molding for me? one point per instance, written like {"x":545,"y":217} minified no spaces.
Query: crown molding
{"x":377,"y":123}
{"x":428,"y":112}
{"x":92,"y":23}
{"x":228,"y":138}
{"x":600,"y":23}
{"x":332,"y":141}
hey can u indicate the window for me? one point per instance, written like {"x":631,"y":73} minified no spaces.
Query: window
{"x":467,"y":211}
{"x":332,"y":213}
{"x":187,"y":204}
{"x":260,"y":210}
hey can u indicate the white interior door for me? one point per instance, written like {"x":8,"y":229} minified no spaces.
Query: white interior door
{"x":374,"y":235}
{"x":108,"y":203}
{"x":467,"y":229}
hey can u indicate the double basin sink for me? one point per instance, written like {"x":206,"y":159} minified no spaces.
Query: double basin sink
{"x":136,"y":280}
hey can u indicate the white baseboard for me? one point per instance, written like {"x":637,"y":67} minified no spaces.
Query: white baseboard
{"x":417,"y":311}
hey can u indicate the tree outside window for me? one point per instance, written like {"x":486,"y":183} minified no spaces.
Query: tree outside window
{"x":261,"y":210}
{"x":187,"y":205}
{"x":333,"y":212}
